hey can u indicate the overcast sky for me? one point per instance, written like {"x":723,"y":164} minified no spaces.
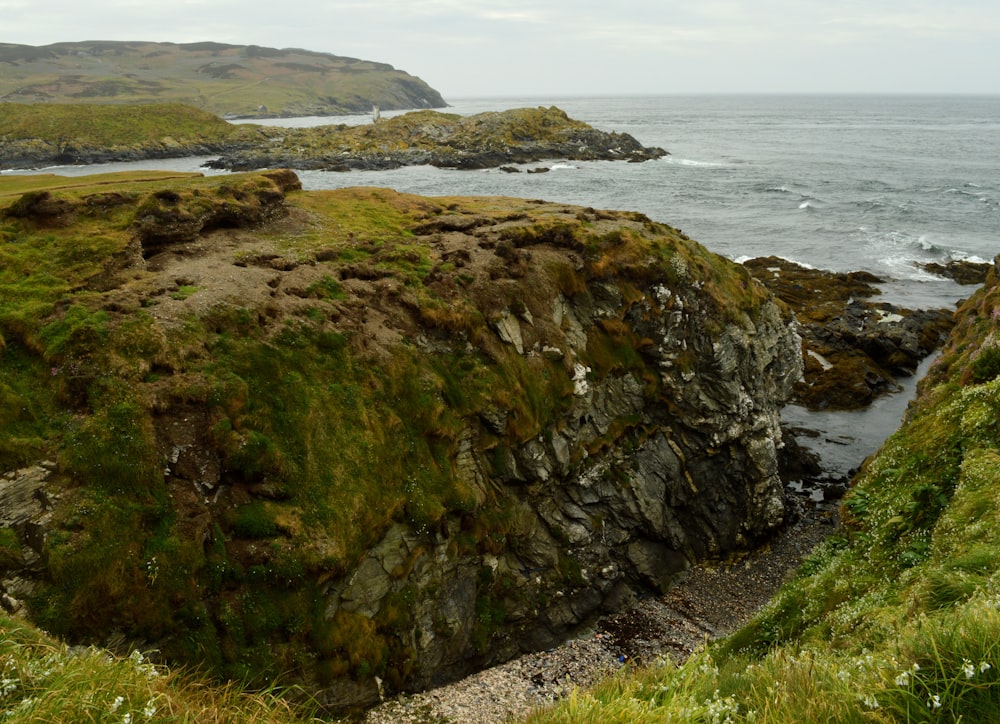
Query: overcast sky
{"x":466,"y":48}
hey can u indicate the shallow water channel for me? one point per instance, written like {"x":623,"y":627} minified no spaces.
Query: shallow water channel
{"x":845,"y":438}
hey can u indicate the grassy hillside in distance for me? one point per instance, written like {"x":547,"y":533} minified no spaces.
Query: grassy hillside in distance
{"x":222,"y":79}
{"x":896,"y":618}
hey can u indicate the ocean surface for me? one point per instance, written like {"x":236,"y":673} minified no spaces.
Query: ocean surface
{"x":875,"y":183}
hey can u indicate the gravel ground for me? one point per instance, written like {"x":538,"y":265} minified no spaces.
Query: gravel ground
{"x":712,"y":600}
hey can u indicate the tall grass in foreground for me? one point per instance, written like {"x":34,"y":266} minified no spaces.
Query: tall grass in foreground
{"x":42,"y":680}
{"x":940,"y":669}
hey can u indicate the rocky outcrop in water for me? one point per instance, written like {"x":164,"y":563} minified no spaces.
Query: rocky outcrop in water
{"x":485,"y":140}
{"x":962,"y":271}
{"x":854,"y":348}
{"x":82,"y":135}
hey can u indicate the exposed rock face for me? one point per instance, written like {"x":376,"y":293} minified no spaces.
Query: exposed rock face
{"x":25,"y":513}
{"x":697,"y":478}
{"x":618,"y":496}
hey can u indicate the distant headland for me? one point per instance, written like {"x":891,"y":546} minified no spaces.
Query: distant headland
{"x":247,"y":81}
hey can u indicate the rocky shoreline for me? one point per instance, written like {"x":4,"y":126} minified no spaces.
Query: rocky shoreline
{"x":485,"y":140}
{"x":854,"y":347}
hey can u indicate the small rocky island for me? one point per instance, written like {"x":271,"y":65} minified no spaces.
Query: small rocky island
{"x":485,"y":140}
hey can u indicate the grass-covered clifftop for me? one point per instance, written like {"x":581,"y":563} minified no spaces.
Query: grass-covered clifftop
{"x":897,"y":617}
{"x":215,"y":77}
{"x":218,"y":394}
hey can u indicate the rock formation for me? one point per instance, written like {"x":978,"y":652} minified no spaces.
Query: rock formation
{"x":854,"y":349}
{"x":372,"y":441}
{"x":485,"y":140}
{"x":45,"y":135}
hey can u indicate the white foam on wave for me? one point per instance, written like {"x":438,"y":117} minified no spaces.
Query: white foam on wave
{"x":900,"y":266}
{"x":971,"y":258}
{"x":897,"y":253}
{"x":808,"y":206}
{"x":962,"y":192}
{"x":927,"y":245}
{"x":689,"y":162}
{"x":900,"y":253}
{"x":802,"y":264}
{"x":560,"y":166}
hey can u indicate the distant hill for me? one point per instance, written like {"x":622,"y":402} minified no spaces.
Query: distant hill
{"x":229,"y":80}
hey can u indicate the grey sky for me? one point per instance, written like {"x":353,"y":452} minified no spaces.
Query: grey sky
{"x":561,"y":47}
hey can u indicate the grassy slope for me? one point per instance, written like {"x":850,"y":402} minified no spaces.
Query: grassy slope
{"x":221,"y":79}
{"x":897,"y":618}
{"x":41,"y":680}
{"x":111,"y":126}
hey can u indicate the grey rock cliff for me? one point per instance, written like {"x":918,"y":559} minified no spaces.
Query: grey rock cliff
{"x":619,"y":496}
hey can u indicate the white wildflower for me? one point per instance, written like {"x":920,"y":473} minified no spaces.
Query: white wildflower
{"x":8,"y":686}
{"x":117,"y":703}
{"x":870,"y":701}
{"x":968,"y":669}
{"x":983,"y":667}
{"x":149,"y":710}
{"x":903,"y":679}
{"x":934,"y":702}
